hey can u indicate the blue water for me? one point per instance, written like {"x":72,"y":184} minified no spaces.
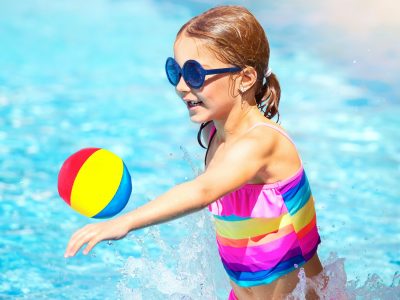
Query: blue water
{"x":75,"y":74}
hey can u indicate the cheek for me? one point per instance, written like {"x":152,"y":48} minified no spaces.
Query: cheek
{"x":219,"y":89}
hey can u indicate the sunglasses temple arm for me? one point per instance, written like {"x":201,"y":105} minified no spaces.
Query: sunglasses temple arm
{"x":220,"y":71}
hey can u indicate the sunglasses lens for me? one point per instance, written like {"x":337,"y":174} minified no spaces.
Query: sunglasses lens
{"x":193,"y":74}
{"x":173,"y":71}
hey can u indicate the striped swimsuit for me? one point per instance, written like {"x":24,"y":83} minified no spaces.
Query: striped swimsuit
{"x":265,"y":231}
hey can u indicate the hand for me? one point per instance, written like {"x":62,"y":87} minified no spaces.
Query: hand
{"x":95,"y":233}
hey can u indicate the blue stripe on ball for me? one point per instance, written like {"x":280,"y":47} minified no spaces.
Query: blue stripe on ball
{"x":120,"y":198}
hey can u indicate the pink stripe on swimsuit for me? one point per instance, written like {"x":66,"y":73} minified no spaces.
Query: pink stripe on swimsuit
{"x":265,"y":231}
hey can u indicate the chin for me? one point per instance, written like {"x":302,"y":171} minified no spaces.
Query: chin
{"x":196,"y":118}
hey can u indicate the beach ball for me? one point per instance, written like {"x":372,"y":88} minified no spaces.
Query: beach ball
{"x":95,"y":182}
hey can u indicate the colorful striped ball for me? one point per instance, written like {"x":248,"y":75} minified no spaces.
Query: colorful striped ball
{"x":95,"y":182}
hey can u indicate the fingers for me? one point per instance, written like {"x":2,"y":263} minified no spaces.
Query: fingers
{"x":71,"y":247}
{"x":90,"y":246}
{"x":93,"y":234}
{"x":79,"y":238}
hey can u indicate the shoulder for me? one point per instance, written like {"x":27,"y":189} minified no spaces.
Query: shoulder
{"x":270,"y":132}
{"x":268,"y":142}
{"x":237,"y":162}
{"x":280,"y":153}
{"x":254,"y":146}
{"x":264,"y":138}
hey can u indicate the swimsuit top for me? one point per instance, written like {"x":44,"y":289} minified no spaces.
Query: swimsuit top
{"x":265,"y":231}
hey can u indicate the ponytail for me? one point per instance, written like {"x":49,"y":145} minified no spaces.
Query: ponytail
{"x":268,"y":97}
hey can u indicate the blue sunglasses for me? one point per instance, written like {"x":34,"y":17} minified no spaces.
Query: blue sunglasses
{"x":193,"y":73}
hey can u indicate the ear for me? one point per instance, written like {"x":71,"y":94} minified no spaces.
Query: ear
{"x":249,"y":78}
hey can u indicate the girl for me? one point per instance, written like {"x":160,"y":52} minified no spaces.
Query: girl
{"x":254,"y":183}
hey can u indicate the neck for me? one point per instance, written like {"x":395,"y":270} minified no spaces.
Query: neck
{"x":238,"y":121}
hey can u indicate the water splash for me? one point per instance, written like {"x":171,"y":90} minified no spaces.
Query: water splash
{"x":185,"y":271}
{"x":374,"y":288}
{"x":188,"y":158}
{"x":192,"y":273}
{"x":332,"y":284}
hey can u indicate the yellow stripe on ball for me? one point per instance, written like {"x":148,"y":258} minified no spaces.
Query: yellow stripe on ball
{"x":96,"y":183}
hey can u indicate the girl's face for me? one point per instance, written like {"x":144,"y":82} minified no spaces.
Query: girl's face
{"x":214,"y":100}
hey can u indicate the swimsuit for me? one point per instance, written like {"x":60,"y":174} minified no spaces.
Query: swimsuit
{"x":265,"y":231}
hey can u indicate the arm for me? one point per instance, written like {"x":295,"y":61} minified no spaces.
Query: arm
{"x":240,"y":164}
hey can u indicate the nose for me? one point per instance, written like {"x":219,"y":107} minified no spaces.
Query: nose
{"x":182,"y":86}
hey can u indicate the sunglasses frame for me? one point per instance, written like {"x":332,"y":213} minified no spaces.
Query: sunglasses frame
{"x":183,"y":72}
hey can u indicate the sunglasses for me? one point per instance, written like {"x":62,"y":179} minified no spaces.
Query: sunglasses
{"x":193,"y":73}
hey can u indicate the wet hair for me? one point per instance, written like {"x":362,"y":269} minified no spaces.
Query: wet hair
{"x":237,"y":38}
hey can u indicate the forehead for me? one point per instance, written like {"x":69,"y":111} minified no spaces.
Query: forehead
{"x":186,"y":48}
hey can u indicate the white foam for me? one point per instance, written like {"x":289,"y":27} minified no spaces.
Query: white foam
{"x":332,"y":284}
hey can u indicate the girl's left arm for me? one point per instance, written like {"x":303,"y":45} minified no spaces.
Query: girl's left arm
{"x":240,"y":164}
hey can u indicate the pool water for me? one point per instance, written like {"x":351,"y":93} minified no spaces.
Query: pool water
{"x":76,"y":74}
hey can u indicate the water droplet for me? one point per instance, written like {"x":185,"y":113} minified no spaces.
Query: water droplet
{"x":109,"y":243}
{"x":296,"y":266}
{"x":354,"y":61}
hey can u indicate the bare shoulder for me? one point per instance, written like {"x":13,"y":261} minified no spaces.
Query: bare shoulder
{"x":265,"y":137}
{"x":270,"y":134}
{"x":250,"y":158}
{"x":237,"y":162}
{"x":281,"y":157}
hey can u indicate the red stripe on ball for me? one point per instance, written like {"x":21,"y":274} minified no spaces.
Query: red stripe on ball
{"x":69,"y":171}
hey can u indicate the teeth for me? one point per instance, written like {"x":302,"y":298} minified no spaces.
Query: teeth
{"x":194,"y":102}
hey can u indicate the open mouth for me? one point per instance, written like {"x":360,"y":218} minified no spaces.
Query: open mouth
{"x":191,"y":104}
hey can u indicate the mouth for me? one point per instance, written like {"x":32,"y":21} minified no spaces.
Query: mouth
{"x":191,"y":104}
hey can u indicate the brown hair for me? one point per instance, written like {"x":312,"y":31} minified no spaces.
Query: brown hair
{"x":237,"y":38}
